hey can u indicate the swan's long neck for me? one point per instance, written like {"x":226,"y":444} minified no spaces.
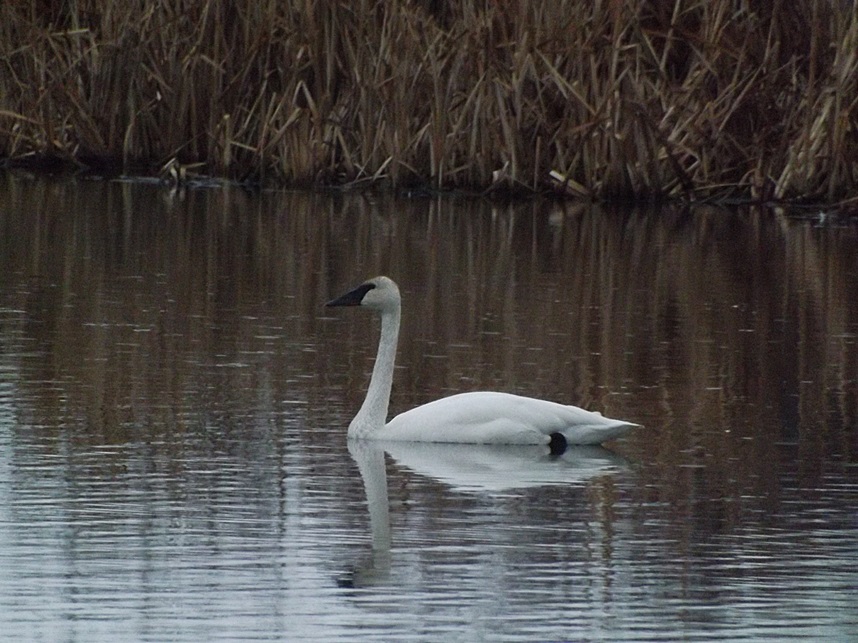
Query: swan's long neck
{"x":373,"y":413}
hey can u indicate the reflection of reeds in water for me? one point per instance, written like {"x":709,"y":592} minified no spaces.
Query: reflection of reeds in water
{"x":724,"y":334}
{"x":611,"y":98}
{"x":136,"y":306}
{"x":821,"y":269}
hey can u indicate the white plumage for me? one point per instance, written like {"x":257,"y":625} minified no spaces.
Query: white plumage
{"x":481,"y":417}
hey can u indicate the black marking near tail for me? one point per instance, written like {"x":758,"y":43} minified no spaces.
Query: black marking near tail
{"x":557,"y":444}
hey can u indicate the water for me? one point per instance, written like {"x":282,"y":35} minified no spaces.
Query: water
{"x":174,"y":399}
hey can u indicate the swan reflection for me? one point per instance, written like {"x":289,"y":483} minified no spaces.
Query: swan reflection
{"x":485,"y":467}
{"x":469,"y":468}
{"x":374,"y":568}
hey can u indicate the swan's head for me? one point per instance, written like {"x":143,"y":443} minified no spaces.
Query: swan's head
{"x":379,"y":293}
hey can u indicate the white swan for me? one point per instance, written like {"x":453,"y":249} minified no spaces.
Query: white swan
{"x":478,"y":418}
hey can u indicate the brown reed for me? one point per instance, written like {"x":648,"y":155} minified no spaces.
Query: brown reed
{"x":610,"y":99}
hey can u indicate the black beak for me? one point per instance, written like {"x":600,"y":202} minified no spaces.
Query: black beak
{"x":353,"y":297}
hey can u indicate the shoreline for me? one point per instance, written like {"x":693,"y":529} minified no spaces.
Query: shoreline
{"x":845,"y":211}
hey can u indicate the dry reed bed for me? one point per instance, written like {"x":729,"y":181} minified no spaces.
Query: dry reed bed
{"x":605,"y":99}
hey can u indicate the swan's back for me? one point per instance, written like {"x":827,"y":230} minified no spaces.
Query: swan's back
{"x":501,"y":418}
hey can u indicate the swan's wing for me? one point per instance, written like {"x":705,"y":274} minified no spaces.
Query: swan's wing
{"x":438,"y":424}
{"x":500,"y":418}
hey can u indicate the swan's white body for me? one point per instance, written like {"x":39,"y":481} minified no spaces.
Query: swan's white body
{"x":487,"y":417}
{"x":477,"y":418}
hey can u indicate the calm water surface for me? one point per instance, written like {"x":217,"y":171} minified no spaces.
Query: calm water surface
{"x":174,"y":399}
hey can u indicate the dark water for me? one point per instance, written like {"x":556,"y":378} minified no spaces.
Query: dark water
{"x":174,"y":400}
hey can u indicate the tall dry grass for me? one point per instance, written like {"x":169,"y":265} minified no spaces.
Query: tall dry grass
{"x":747,"y":98}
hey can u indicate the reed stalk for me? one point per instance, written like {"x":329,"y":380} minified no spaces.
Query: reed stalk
{"x":613,"y":99}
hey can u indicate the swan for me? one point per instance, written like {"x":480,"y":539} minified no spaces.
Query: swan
{"x":480,"y":417}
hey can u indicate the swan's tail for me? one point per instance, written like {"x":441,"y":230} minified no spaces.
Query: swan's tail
{"x":597,"y":434}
